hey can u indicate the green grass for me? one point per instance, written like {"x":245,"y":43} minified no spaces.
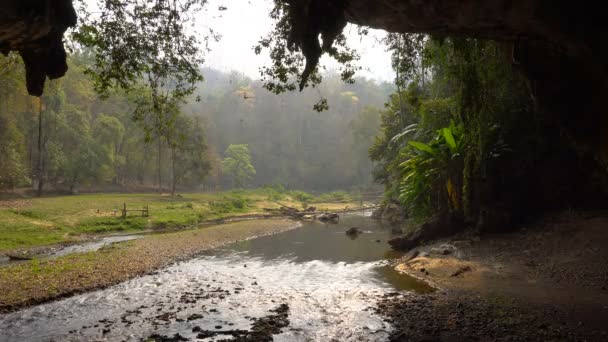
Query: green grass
{"x":53,"y":219}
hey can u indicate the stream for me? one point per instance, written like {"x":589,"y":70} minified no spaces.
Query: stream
{"x":330,"y":283}
{"x":55,"y":252}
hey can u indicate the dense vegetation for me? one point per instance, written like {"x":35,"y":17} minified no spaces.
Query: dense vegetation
{"x":463,"y":141}
{"x":70,"y":138}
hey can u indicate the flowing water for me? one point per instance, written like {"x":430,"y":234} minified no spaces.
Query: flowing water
{"x":329,"y":281}
{"x":75,"y":248}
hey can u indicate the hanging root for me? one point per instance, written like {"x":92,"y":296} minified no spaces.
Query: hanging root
{"x":310,"y":19}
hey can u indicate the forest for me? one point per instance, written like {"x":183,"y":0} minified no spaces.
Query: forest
{"x":77,"y":141}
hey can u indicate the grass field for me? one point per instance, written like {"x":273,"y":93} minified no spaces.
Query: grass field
{"x":29,"y":222}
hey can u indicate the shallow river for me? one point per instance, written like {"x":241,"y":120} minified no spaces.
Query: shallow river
{"x":329,"y":281}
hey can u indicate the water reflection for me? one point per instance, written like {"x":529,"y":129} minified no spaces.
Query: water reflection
{"x":328,"y":242}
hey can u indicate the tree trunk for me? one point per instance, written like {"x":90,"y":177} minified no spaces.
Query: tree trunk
{"x":160,"y":184}
{"x":173,"y":171}
{"x":141,"y":174}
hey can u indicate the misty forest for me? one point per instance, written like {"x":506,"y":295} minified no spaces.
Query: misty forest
{"x":359,"y":171}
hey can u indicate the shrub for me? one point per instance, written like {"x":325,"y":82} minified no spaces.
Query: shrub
{"x":301,"y":196}
{"x":274,"y":192}
{"x":229,"y":204}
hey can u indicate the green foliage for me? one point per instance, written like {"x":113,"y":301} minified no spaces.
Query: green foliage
{"x":442,"y":135}
{"x":237,"y":164}
{"x":275,"y":192}
{"x":85,"y":141}
{"x":336,"y":196}
{"x":301,"y":196}
{"x":137,"y":40}
{"x":230,"y":204}
{"x":430,"y":172}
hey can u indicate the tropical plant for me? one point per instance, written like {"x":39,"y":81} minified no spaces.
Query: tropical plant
{"x":431,"y":173}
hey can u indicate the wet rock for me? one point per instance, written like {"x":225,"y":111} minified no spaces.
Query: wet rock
{"x":19,"y":255}
{"x":461,"y":270}
{"x":162,"y":338}
{"x":329,"y":218}
{"x":262,"y":328}
{"x":167,"y":316}
{"x":194,"y":317}
{"x":272,"y":324}
{"x":353,"y":231}
{"x":432,"y":230}
{"x":412,"y":255}
{"x":443,"y":249}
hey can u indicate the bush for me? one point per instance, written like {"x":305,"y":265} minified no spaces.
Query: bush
{"x":229,"y":204}
{"x":274,"y":192}
{"x":301,"y":196}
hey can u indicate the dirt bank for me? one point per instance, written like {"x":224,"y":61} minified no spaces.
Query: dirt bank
{"x":545,"y":281}
{"x":43,"y":280}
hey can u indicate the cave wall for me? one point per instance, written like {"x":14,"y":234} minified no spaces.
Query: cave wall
{"x":35,"y":29}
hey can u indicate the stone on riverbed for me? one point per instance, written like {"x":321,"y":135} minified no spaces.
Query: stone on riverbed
{"x":354,"y":231}
{"x":329,"y":218}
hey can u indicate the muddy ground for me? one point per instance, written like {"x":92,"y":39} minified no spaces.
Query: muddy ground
{"x":547,"y":281}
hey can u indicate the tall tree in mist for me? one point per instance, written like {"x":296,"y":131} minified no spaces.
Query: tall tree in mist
{"x":237,"y":164}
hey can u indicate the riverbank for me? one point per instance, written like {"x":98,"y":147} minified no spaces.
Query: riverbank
{"x":39,"y":281}
{"x":33,"y":222}
{"x":547,"y":280}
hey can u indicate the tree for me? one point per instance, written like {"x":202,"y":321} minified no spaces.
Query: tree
{"x":12,"y":171}
{"x":237,"y":163}
{"x":109,"y":132}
